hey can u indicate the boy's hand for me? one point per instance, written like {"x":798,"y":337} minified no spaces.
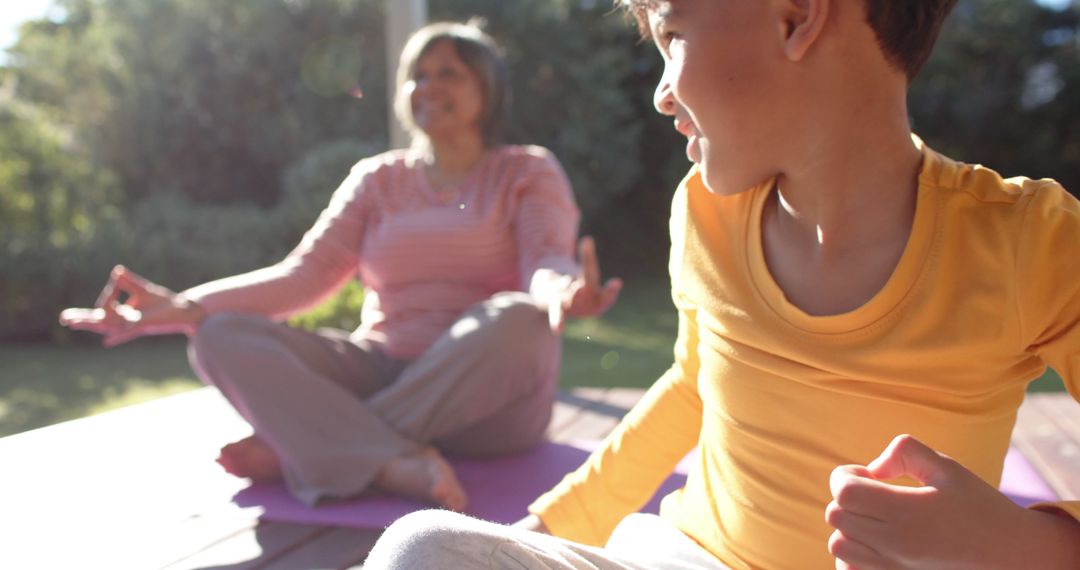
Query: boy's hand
{"x":955,"y":520}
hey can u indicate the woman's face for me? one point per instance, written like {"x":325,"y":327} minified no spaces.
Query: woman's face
{"x":446,"y":94}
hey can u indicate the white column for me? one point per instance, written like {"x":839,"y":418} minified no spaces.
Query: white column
{"x":403,"y":17}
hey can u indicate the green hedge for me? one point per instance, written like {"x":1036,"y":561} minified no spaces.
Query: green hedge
{"x":175,"y":242}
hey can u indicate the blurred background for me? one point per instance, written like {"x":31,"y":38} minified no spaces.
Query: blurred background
{"x":193,"y":139}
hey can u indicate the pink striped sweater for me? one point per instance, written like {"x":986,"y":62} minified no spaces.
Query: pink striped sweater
{"x":423,"y":256}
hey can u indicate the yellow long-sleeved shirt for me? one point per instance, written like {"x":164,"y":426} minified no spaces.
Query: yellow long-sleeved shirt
{"x":985,"y":296}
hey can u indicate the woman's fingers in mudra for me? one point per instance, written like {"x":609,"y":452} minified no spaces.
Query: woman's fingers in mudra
{"x":116,"y":314}
{"x":122,"y":281}
{"x":94,"y":320}
{"x":117,"y":325}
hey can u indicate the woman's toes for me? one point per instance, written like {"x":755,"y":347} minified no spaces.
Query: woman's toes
{"x":252,"y":458}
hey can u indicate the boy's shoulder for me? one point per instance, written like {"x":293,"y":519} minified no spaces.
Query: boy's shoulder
{"x":987,"y":185}
{"x":975,"y":184}
{"x":1036,"y":219}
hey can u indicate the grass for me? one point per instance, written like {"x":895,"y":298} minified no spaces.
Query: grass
{"x":41,"y":384}
{"x":630,"y":346}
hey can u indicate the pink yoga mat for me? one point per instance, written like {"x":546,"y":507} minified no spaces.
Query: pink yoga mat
{"x":500,"y":489}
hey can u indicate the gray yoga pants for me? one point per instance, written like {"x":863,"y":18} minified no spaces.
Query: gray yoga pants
{"x":442,"y":539}
{"x":335,"y":410}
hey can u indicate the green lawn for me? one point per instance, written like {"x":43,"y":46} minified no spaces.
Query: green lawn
{"x":41,"y":384}
{"x":630,"y":346}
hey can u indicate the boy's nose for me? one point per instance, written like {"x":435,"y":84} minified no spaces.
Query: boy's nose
{"x":663,"y":99}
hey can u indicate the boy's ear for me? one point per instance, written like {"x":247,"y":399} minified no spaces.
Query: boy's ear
{"x":801,"y":24}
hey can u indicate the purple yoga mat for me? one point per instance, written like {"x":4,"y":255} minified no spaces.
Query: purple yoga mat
{"x":500,"y":489}
{"x":1022,"y":483}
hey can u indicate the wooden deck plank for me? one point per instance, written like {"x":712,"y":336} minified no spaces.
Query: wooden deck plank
{"x":169,"y":546}
{"x":109,"y":483}
{"x":1038,"y":439}
{"x":338,"y":548}
{"x":1065,"y":411}
{"x":623,"y":399}
{"x":136,"y":488}
{"x":251,"y":548}
{"x":599,"y":411}
{"x":1048,"y":433}
{"x":564,"y":414}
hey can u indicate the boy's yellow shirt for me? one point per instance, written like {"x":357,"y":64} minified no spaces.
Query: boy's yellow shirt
{"x":985,"y":296}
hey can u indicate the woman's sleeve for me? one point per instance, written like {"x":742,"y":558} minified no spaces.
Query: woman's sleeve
{"x":546,"y":219}
{"x":1048,"y":285}
{"x":326,"y":258}
{"x":632,"y":463}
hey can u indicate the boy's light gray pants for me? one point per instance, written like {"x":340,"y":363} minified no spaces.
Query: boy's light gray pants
{"x":334,"y":410}
{"x":441,"y":539}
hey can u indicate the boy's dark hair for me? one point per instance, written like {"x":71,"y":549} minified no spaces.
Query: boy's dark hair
{"x":906,"y":30}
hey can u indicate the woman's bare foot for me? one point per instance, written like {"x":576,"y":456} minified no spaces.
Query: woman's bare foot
{"x":252,"y":458}
{"x":424,"y":475}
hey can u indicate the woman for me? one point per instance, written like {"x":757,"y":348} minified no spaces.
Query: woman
{"x":466,"y":249}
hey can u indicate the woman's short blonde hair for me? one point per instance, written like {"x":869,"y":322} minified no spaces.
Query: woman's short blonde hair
{"x":479,"y":53}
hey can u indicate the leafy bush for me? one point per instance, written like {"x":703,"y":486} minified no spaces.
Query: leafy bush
{"x":342,"y":311}
{"x":310,"y":180}
{"x":177,"y":243}
{"x":204,"y":98}
{"x":166,"y":238}
{"x":192,"y":139}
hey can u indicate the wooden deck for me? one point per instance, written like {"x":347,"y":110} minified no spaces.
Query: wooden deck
{"x":135,"y":488}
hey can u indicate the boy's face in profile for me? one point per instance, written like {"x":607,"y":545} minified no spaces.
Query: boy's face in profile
{"x":722,"y":84}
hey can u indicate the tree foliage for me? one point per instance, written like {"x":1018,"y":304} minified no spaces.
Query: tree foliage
{"x":191,"y":139}
{"x":1003,"y":89}
{"x":203,"y":98}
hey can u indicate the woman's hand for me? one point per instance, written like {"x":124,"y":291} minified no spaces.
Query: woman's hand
{"x":148,"y":309}
{"x":582,"y":296}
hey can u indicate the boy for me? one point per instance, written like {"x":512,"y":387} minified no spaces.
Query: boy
{"x":838,"y":284}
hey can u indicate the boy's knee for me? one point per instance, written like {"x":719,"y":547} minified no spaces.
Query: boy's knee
{"x":427,"y":539}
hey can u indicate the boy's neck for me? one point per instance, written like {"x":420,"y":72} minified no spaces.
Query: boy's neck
{"x":849,"y":168}
{"x":842,"y":212}
{"x":851,"y":189}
